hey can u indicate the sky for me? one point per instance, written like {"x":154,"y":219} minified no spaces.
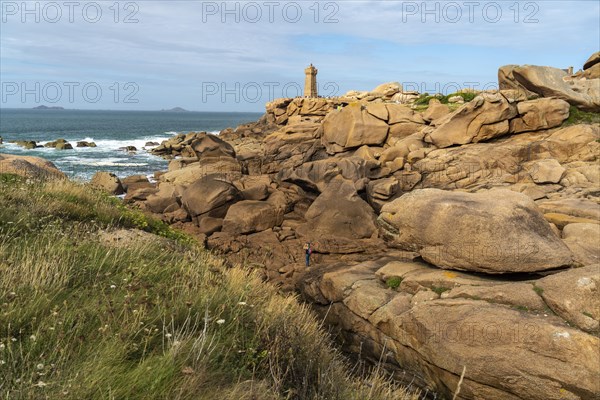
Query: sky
{"x":237,"y":55}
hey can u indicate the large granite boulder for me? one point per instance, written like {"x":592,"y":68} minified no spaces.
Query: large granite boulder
{"x":210,"y":196}
{"x":227,"y":167}
{"x":486,"y":117}
{"x":538,"y":114}
{"x":29,"y":167}
{"x":316,"y":175}
{"x":497,"y":231}
{"x":545,"y":171}
{"x":352,"y":127}
{"x":338,"y":216}
{"x":251,"y":216}
{"x":108,"y":182}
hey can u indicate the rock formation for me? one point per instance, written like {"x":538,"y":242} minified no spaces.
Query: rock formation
{"x":29,"y":167}
{"x":462,"y":235}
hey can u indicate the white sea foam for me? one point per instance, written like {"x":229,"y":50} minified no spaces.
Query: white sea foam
{"x":105,"y":163}
{"x":112,"y":144}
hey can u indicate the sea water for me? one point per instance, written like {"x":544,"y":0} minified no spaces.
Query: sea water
{"x":110,"y":130}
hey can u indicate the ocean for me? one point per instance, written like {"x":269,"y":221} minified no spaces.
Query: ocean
{"x":110,"y":130}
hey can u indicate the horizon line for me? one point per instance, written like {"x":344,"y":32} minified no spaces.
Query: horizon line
{"x":108,"y":109}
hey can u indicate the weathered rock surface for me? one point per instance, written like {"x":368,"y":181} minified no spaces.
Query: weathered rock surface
{"x":476,"y":321}
{"x":29,"y":167}
{"x":108,"y":182}
{"x":498,"y":231}
{"x":486,"y":117}
{"x":352,"y":127}
{"x":593,"y":60}
{"x":337,"y":218}
{"x":553,"y":82}
{"x":584,"y":242}
{"x":251,"y":216}
{"x":575,"y":296}
{"x":210,"y":196}
{"x":535,"y":115}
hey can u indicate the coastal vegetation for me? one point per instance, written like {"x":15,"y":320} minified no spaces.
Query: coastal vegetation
{"x":84,"y":317}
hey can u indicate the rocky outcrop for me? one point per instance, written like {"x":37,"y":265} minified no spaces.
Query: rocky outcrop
{"x":26,"y":144}
{"x":492,"y":115}
{"x":194,"y":145}
{"x":59,"y":144}
{"x":581,"y":91}
{"x":436,"y":322}
{"x":535,"y":115}
{"x":460,"y":235}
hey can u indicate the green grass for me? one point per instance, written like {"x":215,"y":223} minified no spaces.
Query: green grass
{"x":538,"y":290}
{"x":440,"y":289}
{"x":425,"y":98}
{"x":576,"y":116}
{"x":81,"y":319}
{"x":393,"y":282}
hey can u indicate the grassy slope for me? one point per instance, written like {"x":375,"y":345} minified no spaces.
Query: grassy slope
{"x":82,"y":320}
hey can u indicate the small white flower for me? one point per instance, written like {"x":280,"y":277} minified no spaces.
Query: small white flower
{"x":2,"y":362}
{"x":220,"y":321}
{"x":51,"y":328}
{"x":40,"y":366}
{"x":112,"y":286}
{"x":33,"y":338}
{"x":168,"y":335}
{"x":2,"y":346}
{"x":242,"y":303}
{"x":41,"y":384}
{"x":12,"y":339}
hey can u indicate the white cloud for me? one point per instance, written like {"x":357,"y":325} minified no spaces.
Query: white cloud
{"x":175,"y":47}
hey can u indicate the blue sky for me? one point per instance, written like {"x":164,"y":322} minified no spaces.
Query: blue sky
{"x":235,"y":56}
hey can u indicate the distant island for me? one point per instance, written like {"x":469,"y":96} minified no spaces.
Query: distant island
{"x":42,"y":107}
{"x":176,"y":109}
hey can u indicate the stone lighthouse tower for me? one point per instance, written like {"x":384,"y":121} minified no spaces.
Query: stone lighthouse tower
{"x":310,"y":82}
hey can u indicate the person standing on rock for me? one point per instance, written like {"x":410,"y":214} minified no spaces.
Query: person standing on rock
{"x":308,"y":252}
